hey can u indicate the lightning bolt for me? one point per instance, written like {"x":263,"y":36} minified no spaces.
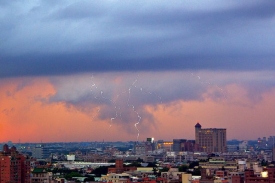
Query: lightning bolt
{"x":114,"y":102}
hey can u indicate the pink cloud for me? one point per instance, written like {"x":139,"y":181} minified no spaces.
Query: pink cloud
{"x":28,"y":114}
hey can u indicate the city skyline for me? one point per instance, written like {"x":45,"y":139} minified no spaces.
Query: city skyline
{"x":112,"y":70}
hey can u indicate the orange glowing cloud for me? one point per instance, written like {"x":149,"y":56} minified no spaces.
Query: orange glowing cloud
{"x":27,"y":114}
{"x":242,"y":118}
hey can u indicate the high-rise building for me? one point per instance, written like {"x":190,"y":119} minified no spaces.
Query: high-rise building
{"x":210,"y":139}
{"x":14,"y":167}
{"x":271,"y":142}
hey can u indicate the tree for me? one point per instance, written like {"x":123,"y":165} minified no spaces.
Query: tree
{"x":100,"y":170}
{"x":155,"y":170}
{"x":72,"y":174}
{"x":197,"y":171}
{"x":89,"y":179}
{"x":152,"y":164}
{"x":264,"y":163}
{"x":163,"y":169}
{"x":112,"y":161}
{"x":135,"y":164}
{"x":183,"y":168}
{"x":193,"y":164}
{"x":140,"y":160}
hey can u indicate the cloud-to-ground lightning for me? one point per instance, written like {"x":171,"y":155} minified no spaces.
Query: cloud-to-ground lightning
{"x":116,"y":105}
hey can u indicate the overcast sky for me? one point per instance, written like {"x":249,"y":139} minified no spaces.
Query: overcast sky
{"x":127,"y":70}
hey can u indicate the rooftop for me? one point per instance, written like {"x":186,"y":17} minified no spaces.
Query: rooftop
{"x":198,"y":125}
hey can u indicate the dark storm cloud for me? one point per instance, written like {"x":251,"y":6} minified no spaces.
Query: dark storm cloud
{"x":61,"y":38}
{"x":124,"y":96}
{"x":180,"y":16}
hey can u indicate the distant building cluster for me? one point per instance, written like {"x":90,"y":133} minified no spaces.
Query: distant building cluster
{"x":209,"y":158}
{"x":206,"y":140}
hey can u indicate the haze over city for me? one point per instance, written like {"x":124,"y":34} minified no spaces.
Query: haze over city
{"x":127,"y":70}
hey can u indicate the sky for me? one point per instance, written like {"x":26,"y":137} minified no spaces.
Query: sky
{"x":126,"y":70}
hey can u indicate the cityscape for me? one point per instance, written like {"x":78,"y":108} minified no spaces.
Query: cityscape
{"x":115,"y":91}
{"x":209,"y":157}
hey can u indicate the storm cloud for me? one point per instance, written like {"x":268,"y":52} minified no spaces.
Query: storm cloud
{"x":62,"y":38}
{"x":82,"y":66}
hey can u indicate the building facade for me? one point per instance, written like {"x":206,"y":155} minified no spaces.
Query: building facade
{"x":14,"y":167}
{"x":119,"y":167}
{"x":210,"y":139}
{"x":178,"y":144}
{"x":40,"y":152}
{"x":41,"y":175}
{"x":267,"y":176}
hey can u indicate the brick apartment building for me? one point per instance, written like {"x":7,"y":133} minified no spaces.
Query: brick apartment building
{"x":14,"y":167}
{"x":119,"y":167}
{"x":267,"y":176}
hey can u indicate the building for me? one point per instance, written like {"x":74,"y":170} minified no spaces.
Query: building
{"x":166,"y":145}
{"x":210,"y":139}
{"x":237,"y":179}
{"x":119,"y":167}
{"x":218,"y":163}
{"x":243,"y":146}
{"x":129,"y":178}
{"x":206,"y":177}
{"x":271,"y":141}
{"x":143,"y":148}
{"x":189,"y":146}
{"x":178,"y":144}
{"x":14,"y":167}
{"x":267,"y":176}
{"x":116,"y":178}
{"x":41,"y":175}
{"x":40,"y":152}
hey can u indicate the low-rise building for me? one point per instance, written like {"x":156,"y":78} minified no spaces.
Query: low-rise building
{"x":41,"y":175}
{"x":266,"y":176}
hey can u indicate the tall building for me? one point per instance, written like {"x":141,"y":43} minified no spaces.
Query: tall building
{"x":271,"y":142}
{"x":210,"y":139}
{"x":14,"y":167}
